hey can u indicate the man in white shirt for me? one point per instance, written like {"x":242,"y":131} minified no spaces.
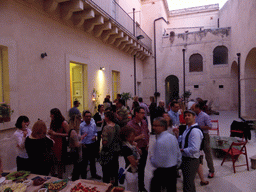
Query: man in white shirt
{"x":191,"y":140}
{"x":166,"y":158}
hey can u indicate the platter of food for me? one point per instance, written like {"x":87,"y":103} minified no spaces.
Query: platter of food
{"x":56,"y":185}
{"x":13,"y":187}
{"x":81,"y":188}
{"x":38,"y":181}
{"x":18,"y":175}
{"x":83,"y":185}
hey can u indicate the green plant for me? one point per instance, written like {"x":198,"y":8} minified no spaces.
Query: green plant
{"x":186,"y":95}
{"x":5,"y":110}
{"x":126,"y":96}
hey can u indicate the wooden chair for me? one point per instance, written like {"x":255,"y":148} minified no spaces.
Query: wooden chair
{"x":215,"y":127}
{"x":234,"y":152}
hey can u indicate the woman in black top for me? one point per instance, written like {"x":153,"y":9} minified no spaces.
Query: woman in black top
{"x":39,"y":149}
{"x":99,"y":120}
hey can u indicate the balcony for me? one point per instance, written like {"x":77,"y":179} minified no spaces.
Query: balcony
{"x":110,"y":23}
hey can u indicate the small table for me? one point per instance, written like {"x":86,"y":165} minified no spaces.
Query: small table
{"x":218,"y":143}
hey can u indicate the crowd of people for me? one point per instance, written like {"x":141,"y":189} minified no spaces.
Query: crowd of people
{"x":117,"y":131}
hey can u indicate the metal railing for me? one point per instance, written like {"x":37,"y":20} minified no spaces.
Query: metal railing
{"x":115,"y":12}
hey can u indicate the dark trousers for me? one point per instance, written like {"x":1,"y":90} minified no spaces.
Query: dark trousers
{"x":89,"y":152}
{"x":141,"y":168}
{"x":76,"y":171}
{"x":110,"y":171}
{"x":22,"y":164}
{"x":76,"y":165}
{"x":164,"y":178}
{"x":189,"y":168}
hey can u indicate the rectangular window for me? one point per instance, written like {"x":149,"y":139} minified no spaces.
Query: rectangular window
{"x":77,"y":77}
{"x":115,"y":84}
{"x":4,"y":75}
{"x":1,"y":77}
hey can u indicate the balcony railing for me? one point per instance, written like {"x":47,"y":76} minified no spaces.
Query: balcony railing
{"x":115,"y":12}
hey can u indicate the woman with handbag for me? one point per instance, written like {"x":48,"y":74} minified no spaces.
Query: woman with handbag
{"x":110,"y":150}
{"x":75,"y":145}
{"x":130,"y":151}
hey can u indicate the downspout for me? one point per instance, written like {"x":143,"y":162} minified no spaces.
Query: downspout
{"x":155,"y":50}
{"x":184,"y":73}
{"x":239,"y":87}
{"x":134,"y":57}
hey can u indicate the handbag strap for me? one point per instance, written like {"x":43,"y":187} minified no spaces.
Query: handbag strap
{"x":127,"y":169}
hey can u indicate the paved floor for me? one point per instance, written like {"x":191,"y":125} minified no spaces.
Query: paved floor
{"x":225,"y":179}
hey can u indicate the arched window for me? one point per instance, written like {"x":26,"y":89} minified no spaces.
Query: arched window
{"x":196,"y":63}
{"x":220,"y":55}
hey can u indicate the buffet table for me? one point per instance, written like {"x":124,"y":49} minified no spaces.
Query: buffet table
{"x":88,"y":184}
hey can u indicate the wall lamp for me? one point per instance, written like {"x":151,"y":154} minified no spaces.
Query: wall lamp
{"x":102,"y":68}
{"x":43,"y":55}
{"x":140,"y":37}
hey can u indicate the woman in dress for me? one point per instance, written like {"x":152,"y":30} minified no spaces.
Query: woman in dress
{"x":58,"y":131}
{"x":75,"y":145}
{"x":20,"y":136}
{"x":110,"y":150}
{"x":39,"y":149}
{"x":131,"y":155}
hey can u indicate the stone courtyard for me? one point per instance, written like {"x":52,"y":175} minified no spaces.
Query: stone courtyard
{"x":225,"y":179}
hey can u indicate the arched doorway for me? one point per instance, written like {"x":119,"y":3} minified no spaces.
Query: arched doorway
{"x":171,"y":88}
{"x":250,"y":85}
{"x":234,"y":86}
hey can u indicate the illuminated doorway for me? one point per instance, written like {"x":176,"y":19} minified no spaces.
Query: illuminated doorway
{"x":115,"y":84}
{"x":77,"y":85}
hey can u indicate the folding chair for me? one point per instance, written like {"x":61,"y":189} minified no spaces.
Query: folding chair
{"x":235,"y":153}
{"x":215,"y":127}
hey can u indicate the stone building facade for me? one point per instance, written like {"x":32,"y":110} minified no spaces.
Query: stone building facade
{"x":80,"y":37}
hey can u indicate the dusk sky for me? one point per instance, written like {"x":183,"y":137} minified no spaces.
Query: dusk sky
{"x":180,"y":4}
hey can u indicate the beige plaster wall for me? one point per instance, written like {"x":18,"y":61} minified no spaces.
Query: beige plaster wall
{"x":205,"y":20}
{"x":170,"y":62}
{"x":38,"y":85}
{"x":241,"y":16}
{"x":128,"y":8}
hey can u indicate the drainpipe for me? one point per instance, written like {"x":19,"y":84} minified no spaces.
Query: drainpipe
{"x":239,"y":87}
{"x":134,"y":57}
{"x":184,"y":74}
{"x":155,"y":50}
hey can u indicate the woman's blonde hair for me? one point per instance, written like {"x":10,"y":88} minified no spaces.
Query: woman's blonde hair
{"x":39,"y":130}
{"x":75,"y":122}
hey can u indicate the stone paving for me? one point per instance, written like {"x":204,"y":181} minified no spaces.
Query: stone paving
{"x":225,"y":179}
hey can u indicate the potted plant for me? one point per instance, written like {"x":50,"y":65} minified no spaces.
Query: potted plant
{"x":126,"y":96}
{"x":5,"y":112}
